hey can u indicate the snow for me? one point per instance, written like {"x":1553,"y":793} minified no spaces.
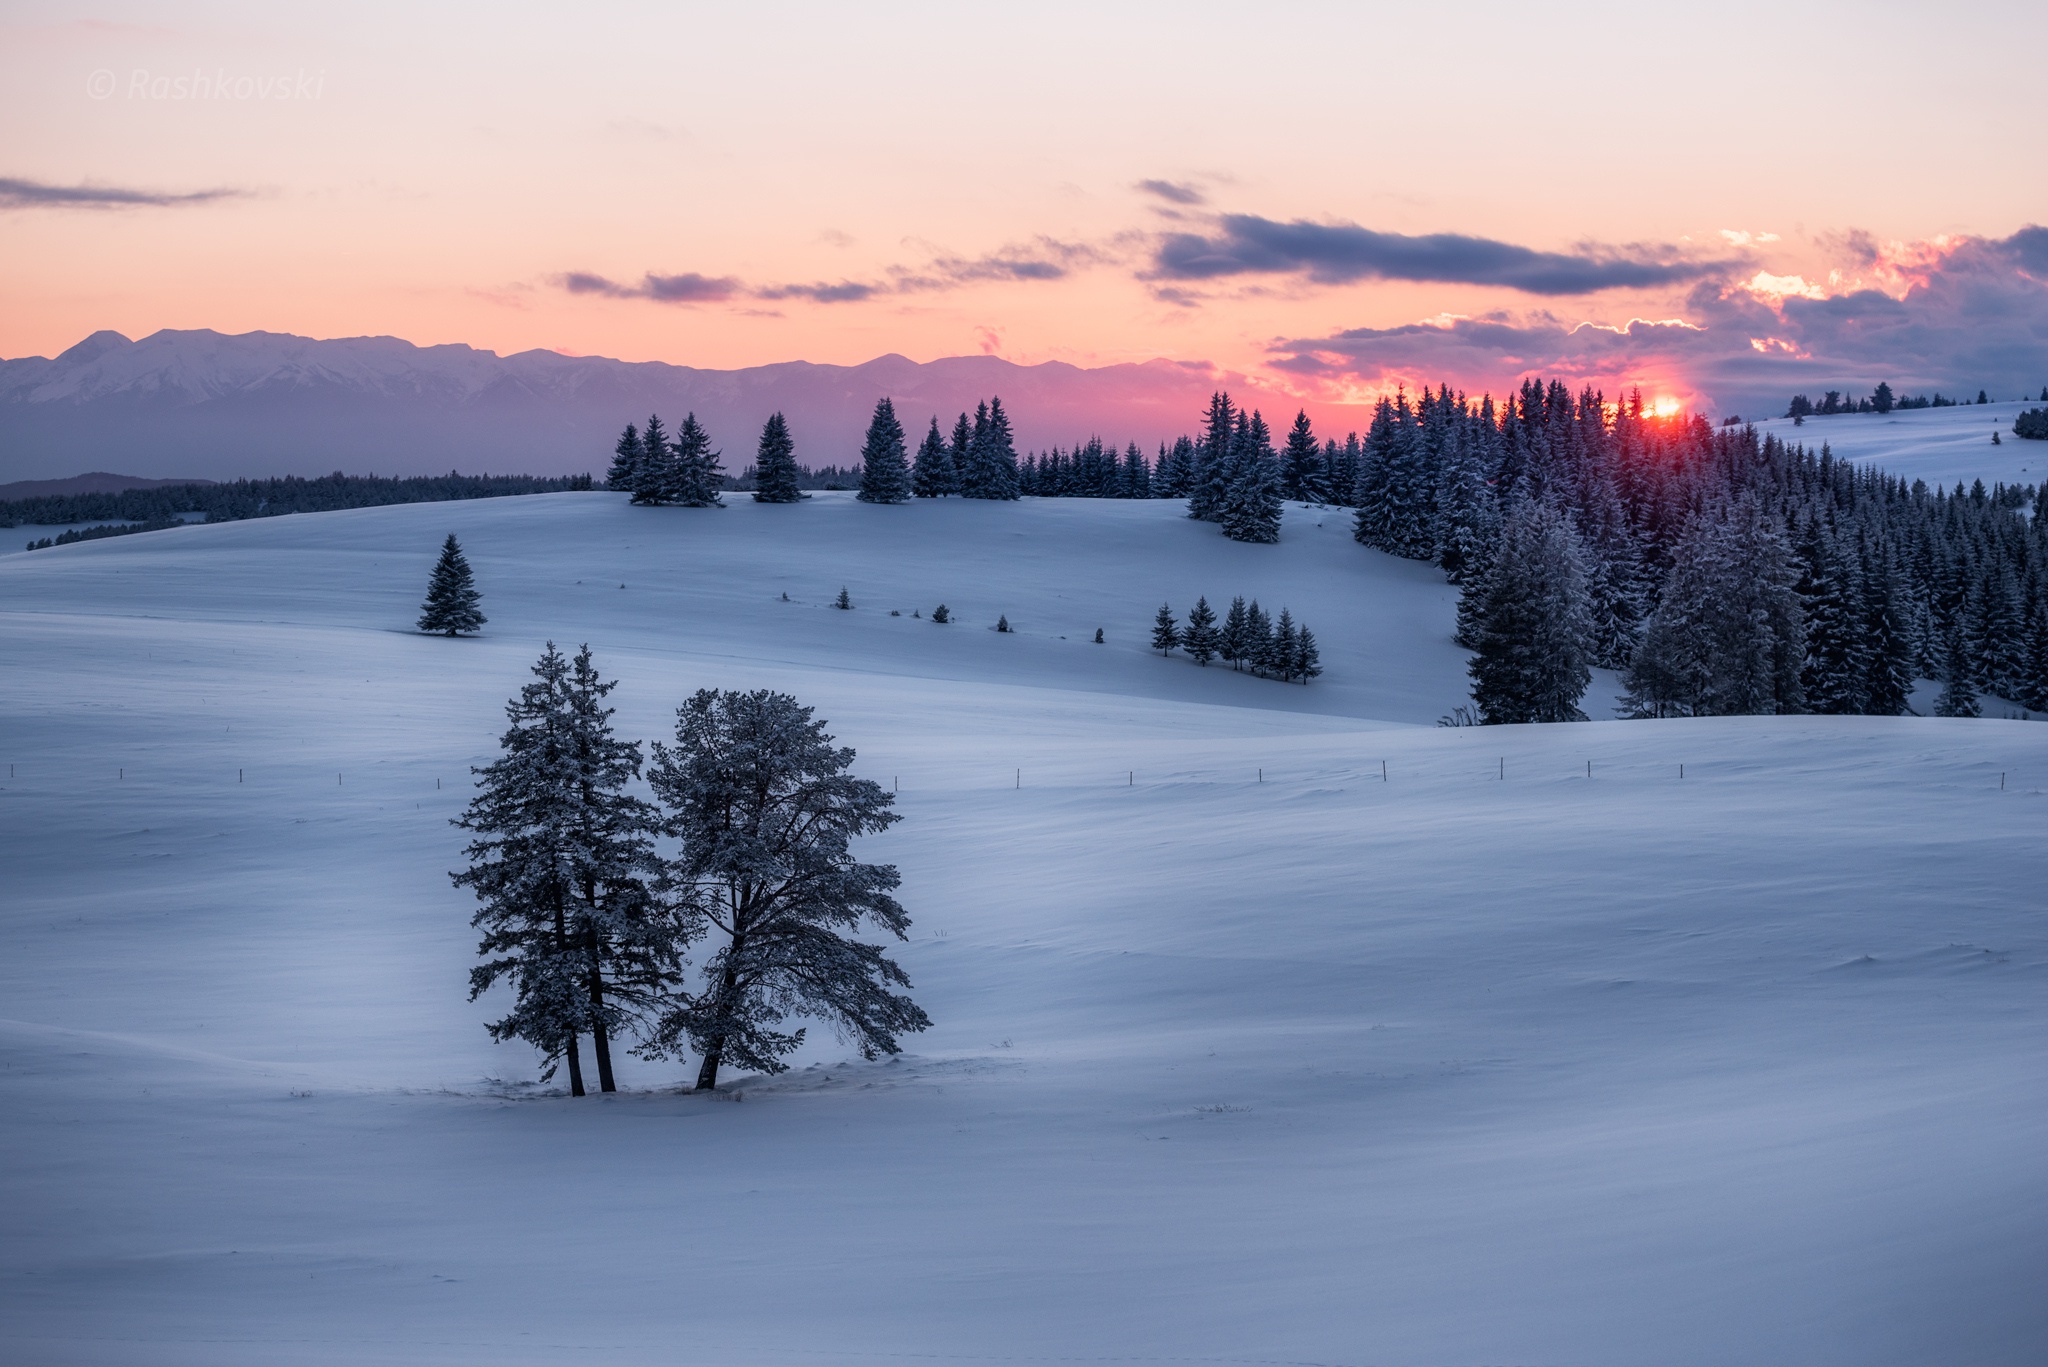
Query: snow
{"x":1241,"y":1053}
{"x":1939,"y":445}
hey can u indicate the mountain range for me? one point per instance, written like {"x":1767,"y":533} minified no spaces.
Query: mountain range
{"x":208,"y":404}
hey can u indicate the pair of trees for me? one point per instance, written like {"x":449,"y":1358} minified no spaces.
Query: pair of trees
{"x":1247,"y":638}
{"x":683,"y":472}
{"x":592,"y":897}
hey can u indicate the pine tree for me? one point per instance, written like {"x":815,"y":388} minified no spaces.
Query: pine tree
{"x":653,"y":473}
{"x":1002,"y":623}
{"x":1165,"y":635}
{"x":694,"y":474}
{"x":1200,"y":637}
{"x":561,"y":868}
{"x":1213,"y":462}
{"x":775,"y":464}
{"x":1532,"y":660}
{"x":764,"y":811}
{"x":843,"y":602}
{"x":1958,"y":690}
{"x":1308,"y":661}
{"x":625,"y":461}
{"x":1285,"y":646}
{"x":991,"y":469}
{"x":940,"y":615}
{"x":1890,"y":678}
{"x":1251,"y":505}
{"x":1257,"y":650}
{"x":1303,"y":475}
{"x":1098,"y":636}
{"x":934,"y":476}
{"x":884,"y":468}
{"x":451,"y":606}
{"x":1232,"y":641}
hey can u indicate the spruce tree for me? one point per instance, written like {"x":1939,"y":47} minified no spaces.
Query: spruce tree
{"x":1308,"y":660}
{"x":1257,"y":650}
{"x":1303,"y":473}
{"x":775,"y":464}
{"x":764,"y":811}
{"x":1165,"y":635}
{"x":1958,"y":690}
{"x":934,"y":476}
{"x":1213,"y":463}
{"x":561,"y":867}
{"x":1251,"y":500}
{"x":625,"y":461}
{"x":1200,"y":637}
{"x":451,"y":606}
{"x":1283,"y":659}
{"x":694,"y":476}
{"x":991,"y":470}
{"x":884,"y":467}
{"x":843,"y":602}
{"x":1532,"y":660}
{"x":654,"y":473}
{"x":1232,"y":640}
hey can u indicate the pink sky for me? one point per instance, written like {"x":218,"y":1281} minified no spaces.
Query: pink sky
{"x":975,"y":178}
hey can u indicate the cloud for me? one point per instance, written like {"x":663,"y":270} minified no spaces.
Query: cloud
{"x":1044,"y":259}
{"x":1968,"y":313}
{"x":33,"y":194}
{"x":687,"y":288}
{"x":1173,"y":192}
{"x":1343,"y":252}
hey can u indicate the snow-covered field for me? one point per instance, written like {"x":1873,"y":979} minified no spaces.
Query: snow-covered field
{"x":1242,"y":1052}
{"x":1939,"y":445}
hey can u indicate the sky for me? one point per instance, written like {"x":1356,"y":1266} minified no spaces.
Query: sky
{"x":1721,"y":206}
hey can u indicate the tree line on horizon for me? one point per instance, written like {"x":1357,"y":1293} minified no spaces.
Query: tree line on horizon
{"x":1879,"y":400}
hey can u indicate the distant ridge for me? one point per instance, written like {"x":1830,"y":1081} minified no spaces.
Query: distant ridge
{"x":93,"y":482}
{"x":262,"y":404}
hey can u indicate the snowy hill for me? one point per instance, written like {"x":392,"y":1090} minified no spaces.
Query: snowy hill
{"x":1242,"y":1052}
{"x":263,"y":403}
{"x":1940,"y":445}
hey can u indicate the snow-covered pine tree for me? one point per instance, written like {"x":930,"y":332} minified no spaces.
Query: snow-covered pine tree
{"x":884,"y":467}
{"x":1232,"y":641}
{"x":1285,"y":646}
{"x":625,"y":461}
{"x":1308,"y":660}
{"x":764,"y":810}
{"x":1728,"y":637}
{"x":452,"y":599}
{"x":1002,"y":623}
{"x":996,"y":459}
{"x":1304,"y":475}
{"x":561,"y":867}
{"x":1165,"y":635}
{"x":1213,"y":464}
{"x":654,"y":473}
{"x":1889,"y":680}
{"x":941,"y":615}
{"x":1532,"y":658}
{"x":934,"y":476}
{"x":775,"y":464}
{"x":1958,"y":690}
{"x":1199,"y":639}
{"x":1835,"y":676}
{"x":1257,"y":650}
{"x":843,"y":602}
{"x":695,"y":476}
{"x":1137,"y":474}
{"x":1251,"y":506}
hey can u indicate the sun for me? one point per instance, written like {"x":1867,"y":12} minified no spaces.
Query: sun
{"x":1666,"y":408}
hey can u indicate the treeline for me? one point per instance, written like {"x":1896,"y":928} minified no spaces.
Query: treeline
{"x":2032,"y":424}
{"x":101,"y":532}
{"x":247,"y":498}
{"x":1246,"y":639}
{"x":592,"y":897}
{"x":1722,"y":571}
{"x":1880,"y":400}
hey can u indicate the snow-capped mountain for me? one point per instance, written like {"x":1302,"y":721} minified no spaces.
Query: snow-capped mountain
{"x":205,"y":403}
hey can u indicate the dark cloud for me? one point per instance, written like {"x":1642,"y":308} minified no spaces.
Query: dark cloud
{"x":1972,"y":315}
{"x":1173,"y":192}
{"x":1045,"y":259}
{"x":33,"y":194}
{"x":687,"y":288}
{"x":846,"y":291}
{"x":1343,"y":252}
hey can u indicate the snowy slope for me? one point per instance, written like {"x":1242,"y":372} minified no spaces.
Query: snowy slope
{"x":1440,"y":1068}
{"x":1939,"y":445}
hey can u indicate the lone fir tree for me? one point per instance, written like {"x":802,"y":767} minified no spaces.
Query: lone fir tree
{"x":764,"y":810}
{"x":884,"y":468}
{"x":625,"y":461}
{"x":1165,"y":635}
{"x":775,"y":464}
{"x":451,"y":606}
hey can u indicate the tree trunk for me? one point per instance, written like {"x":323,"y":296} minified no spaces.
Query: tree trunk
{"x":707,"y":1076}
{"x":600,"y":1038}
{"x":575,"y":1066}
